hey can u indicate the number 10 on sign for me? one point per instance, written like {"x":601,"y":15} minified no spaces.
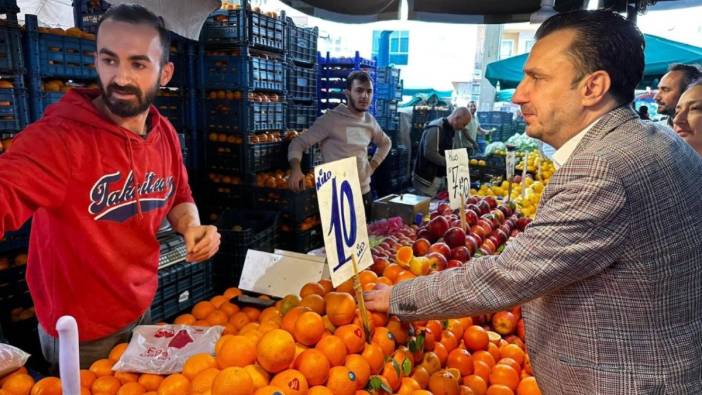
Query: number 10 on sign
{"x":343,"y":218}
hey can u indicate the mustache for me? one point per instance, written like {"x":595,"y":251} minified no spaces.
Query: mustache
{"x":127,"y":89}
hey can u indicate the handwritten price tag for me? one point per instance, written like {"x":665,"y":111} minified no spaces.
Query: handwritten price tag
{"x":458,"y":176}
{"x":511,"y":161}
{"x":343,"y":218}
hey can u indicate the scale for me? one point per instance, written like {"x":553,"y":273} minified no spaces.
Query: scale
{"x":173,"y":248}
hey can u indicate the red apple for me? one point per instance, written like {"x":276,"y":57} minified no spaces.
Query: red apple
{"x":455,"y":237}
{"x":484,"y":207}
{"x":474,"y":207}
{"x":425,"y":233}
{"x":434,"y":214}
{"x":515,"y":233}
{"x":453,"y":263}
{"x":479,"y":230}
{"x":472,"y":244}
{"x":494,"y":240}
{"x":487,"y":224}
{"x":521,"y":330}
{"x":460,"y":253}
{"x":490,"y":201}
{"x":517,"y":179}
{"x":379,"y":265}
{"x":442,"y":207}
{"x":499,"y":216}
{"x":441,"y":248}
{"x":489,"y":246}
{"x":471,"y":217}
{"x":522,"y":223}
{"x":504,"y":323}
{"x":473,"y":200}
{"x":438,"y":226}
{"x":437,"y":260}
{"x":421,"y":247}
{"x":456,"y":223}
{"x":501,"y":235}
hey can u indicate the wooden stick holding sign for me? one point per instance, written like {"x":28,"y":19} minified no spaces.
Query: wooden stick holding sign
{"x":359,"y":299}
{"x":344,"y":224}
{"x":457,"y":176}
{"x":509,"y":164}
{"x":462,"y":212}
{"x":524,"y":174}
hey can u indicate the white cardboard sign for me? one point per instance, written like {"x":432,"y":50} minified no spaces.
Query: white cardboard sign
{"x":510,"y":162}
{"x":343,"y":218}
{"x":279,"y":274}
{"x":457,"y":176}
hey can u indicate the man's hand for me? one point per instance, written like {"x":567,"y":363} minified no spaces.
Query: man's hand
{"x":201,"y":241}
{"x":378,"y":299}
{"x":296,"y":181}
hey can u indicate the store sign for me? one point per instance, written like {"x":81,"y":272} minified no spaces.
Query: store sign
{"x":511,"y":160}
{"x":457,"y":176}
{"x":343,"y":218}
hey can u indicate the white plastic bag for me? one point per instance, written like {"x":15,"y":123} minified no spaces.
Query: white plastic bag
{"x":163,"y":349}
{"x":11,"y":358}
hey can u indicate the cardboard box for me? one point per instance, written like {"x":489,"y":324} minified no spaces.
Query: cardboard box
{"x":406,"y":206}
{"x":381,"y":207}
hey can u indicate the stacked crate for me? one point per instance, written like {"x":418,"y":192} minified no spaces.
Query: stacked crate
{"x":500,"y":121}
{"x":388,"y":93}
{"x":13,"y":95}
{"x":332,"y":77}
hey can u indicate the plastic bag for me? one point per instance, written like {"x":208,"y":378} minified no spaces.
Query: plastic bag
{"x":163,"y":349}
{"x":11,"y":358}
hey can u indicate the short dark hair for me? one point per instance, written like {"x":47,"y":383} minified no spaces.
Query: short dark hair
{"x":139,"y":15}
{"x":604,"y":41}
{"x":358,"y":75}
{"x":690,"y":72}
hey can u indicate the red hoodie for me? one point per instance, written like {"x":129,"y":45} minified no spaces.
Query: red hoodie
{"x":93,"y":252}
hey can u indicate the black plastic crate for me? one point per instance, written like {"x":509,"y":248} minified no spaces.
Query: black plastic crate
{"x":310,"y":158}
{"x":19,"y":239}
{"x":172,"y":106}
{"x":11,"y":54}
{"x":9,"y":7}
{"x":226,"y":115}
{"x":180,"y":286}
{"x":226,"y":27}
{"x":14,"y":112}
{"x":242,"y":230}
{"x":262,"y":157}
{"x":301,"y":241}
{"x":301,"y":43}
{"x":229,"y":194}
{"x":301,"y":116}
{"x":296,"y":206}
{"x":302,"y":83}
{"x":225,"y":72}
{"x":87,"y":13}
{"x":14,"y":292}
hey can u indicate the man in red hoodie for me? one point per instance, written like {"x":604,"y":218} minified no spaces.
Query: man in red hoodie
{"x":99,"y":173}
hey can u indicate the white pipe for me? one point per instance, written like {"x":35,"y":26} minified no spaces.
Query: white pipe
{"x":69,"y":365}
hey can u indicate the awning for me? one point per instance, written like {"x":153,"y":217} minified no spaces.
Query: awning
{"x":659,"y":54}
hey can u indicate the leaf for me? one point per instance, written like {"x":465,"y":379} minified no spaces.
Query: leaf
{"x":420,"y":340}
{"x":501,"y":248}
{"x":397,"y":367}
{"x":406,"y":367}
{"x":376,"y":383}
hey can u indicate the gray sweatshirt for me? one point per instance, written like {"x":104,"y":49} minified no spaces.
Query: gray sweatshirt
{"x":341,"y":134}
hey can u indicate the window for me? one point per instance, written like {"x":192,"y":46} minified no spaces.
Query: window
{"x":398,"y":46}
{"x":506,"y":47}
{"x":528,"y":44}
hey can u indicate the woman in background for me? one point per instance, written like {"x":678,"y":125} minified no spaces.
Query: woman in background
{"x":688,"y":116}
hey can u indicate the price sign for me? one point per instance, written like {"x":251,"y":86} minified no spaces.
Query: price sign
{"x":511,"y":161}
{"x":458,"y":176}
{"x":343,"y":218}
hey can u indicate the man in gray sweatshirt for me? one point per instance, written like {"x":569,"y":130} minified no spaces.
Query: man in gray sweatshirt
{"x":345,"y":131}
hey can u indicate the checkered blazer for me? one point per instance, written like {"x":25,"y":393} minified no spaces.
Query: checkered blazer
{"x":609,"y":273}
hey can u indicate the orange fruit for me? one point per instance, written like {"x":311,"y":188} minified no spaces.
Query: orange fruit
{"x":399,"y":332}
{"x":481,"y":369}
{"x":511,"y":363}
{"x":231,"y":293}
{"x":391,"y":373}
{"x":202,"y":309}
{"x":197,"y":363}
{"x":314,"y":302}
{"x":106,"y":385}
{"x":249,"y":327}
{"x":239,"y":320}
{"x":485,"y":357}
{"x":449,"y":340}
{"x":202,"y":382}
{"x":221,"y":341}
{"x":174,"y":384}
{"x":270,"y":314}
{"x":367,"y":276}
{"x":505,"y":375}
{"x":375,"y":357}
{"x":309,"y":328}
{"x":431,"y":362}
{"x":102,"y":367}
{"x":276,"y":350}
{"x":232,"y":381}
{"x":421,"y":376}
{"x":528,"y":386}
{"x":236,"y":351}
{"x":86,"y":378}
{"x":460,"y":359}
{"x":404,"y":255}
{"x":512,"y":351}
{"x":340,"y":308}
{"x":360,"y":368}
{"x":476,"y":383}
{"x":290,"y":318}
{"x":440,"y":351}
{"x":326,"y":285}
{"x":312,"y":288}
{"x":442,"y":382}
{"x":499,"y":389}
{"x":320,"y":390}
{"x":131,"y":388}
{"x":475,"y":338}
{"x":345,"y":287}
{"x":19,"y":384}
{"x":353,"y":337}
{"x":494,"y":350}
{"x":313,"y":365}
{"x":259,"y":376}
{"x":333,"y":348}
{"x":201,"y":323}
{"x":291,"y":381}
{"x":126,"y":377}
{"x":420,"y":392}
{"x":218,"y":300}
{"x":229,"y":329}
{"x":151,"y":382}
{"x":117,"y":351}
{"x":408,"y":385}
{"x":47,"y":386}
{"x":269,"y":390}
{"x":184,"y":319}
{"x":342,"y":381}
{"x":384,"y":280}
{"x":405,"y":275}
{"x":251,"y":312}
{"x":404,"y":359}
{"x":229,"y":308}
{"x":217,"y":317}
{"x":384,"y":338}
{"x":436,"y":328}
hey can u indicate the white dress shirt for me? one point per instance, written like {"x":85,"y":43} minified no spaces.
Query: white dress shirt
{"x":563,"y":154}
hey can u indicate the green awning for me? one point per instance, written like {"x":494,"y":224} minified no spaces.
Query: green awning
{"x":659,"y":54}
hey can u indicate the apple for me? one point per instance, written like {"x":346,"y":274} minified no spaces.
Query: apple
{"x":478,"y":239}
{"x":490,"y":201}
{"x":474,"y":207}
{"x":517,"y":179}
{"x":471,"y":217}
{"x":494,"y":240}
{"x":421,"y":247}
{"x":523,"y":222}
{"x":517,"y":311}
{"x":484,"y":207}
{"x":442,"y":207}
{"x":501,"y":235}
{"x":460,"y":253}
{"x":455,"y":237}
{"x":438,"y":226}
{"x":437,"y":260}
{"x":473,"y":200}
{"x":515,"y":233}
{"x":456,"y":223}
{"x":379,"y":265}
{"x":489,"y":246}
{"x":486,"y":222}
{"x":420,"y":265}
{"x":441,"y":248}
{"x":507,"y":208}
{"x":506,"y":228}
{"x":504,"y":322}
{"x":425,"y":233}
{"x":472,"y":244}
{"x":479,"y":230}
{"x":453,"y":263}
{"x":499,"y":216}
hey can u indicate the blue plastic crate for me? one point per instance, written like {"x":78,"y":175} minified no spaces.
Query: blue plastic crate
{"x":385,"y":108}
{"x":301,"y":116}
{"x":302,"y":83}
{"x":11,"y":55}
{"x":226,"y":27}
{"x":391,"y":123}
{"x":388,"y":91}
{"x":355,"y":61}
{"x":13,"y":109}
{"x":87,"y":14}
{"x":387,"y":75}
{"x":66,"y":57}
{"x":224,"y":72}
{"x":301,"y":43}
{"x":226,"y":115}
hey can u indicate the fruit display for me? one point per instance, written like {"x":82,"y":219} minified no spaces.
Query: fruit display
{"x":279,"y":179}
{"x":306,"y":224}
{"x":257,"y":97}
{"x":257,"y":138}
{"x":70,"y":32}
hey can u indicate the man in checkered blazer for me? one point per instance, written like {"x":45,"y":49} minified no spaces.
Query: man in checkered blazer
{"x":610,"y":271}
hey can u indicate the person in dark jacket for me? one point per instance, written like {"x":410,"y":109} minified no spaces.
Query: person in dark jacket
{"x":430,"y":167}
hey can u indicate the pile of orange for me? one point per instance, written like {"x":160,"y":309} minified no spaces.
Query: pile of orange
{"x":278,"y":179}
{"x":224,"y":178}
